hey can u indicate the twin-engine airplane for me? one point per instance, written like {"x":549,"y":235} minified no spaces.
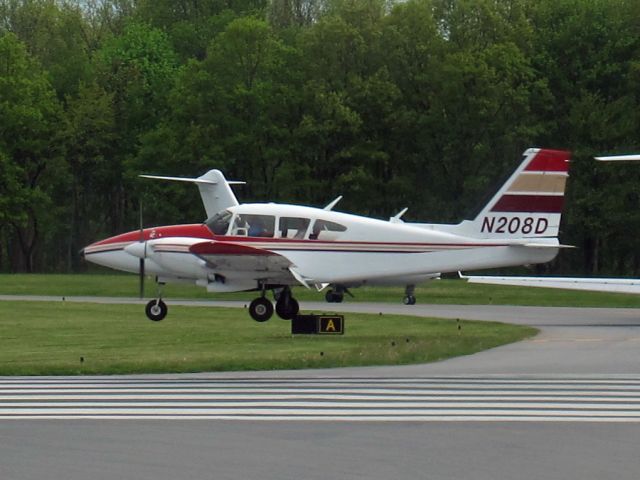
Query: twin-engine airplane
{"x":260,"y":247}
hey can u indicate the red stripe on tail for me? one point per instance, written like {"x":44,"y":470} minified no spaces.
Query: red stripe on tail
{"x":550,"y":161}
{"x":529,"y":204}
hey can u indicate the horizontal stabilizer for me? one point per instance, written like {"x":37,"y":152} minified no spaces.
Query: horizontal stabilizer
{"x":543,"y":245}
{"x":180,"y":179}
{"x":214,"y":189}
{"x":618,"y":158}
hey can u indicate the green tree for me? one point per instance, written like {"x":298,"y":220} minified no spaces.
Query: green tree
{"x":235,"y":111}
{"x":29,"y":112}
{"x":56,"y":34}
{"x":137,"y":70}
{"x":88,"y":131}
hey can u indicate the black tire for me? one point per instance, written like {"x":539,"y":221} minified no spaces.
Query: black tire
{"x":329,"y":296}
{"x":287,"y":310}
{"x":156,"y":310}
{"x":261,"y":309}
{"x":409,"y":300}
{"x":338,"y":297}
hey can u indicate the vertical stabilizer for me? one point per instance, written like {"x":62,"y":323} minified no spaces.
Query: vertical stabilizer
{"x":530,"y":203}
{"x":216,"y":192}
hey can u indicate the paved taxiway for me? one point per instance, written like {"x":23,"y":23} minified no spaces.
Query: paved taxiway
{"x":518,"y":411}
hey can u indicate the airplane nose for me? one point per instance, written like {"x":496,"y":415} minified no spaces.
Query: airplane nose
{"x":81,"y":253}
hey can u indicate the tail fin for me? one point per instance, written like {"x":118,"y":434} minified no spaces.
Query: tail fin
{"x":529,"y":204}
{"x":214,"y":189}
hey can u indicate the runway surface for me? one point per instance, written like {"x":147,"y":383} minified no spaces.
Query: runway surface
{"x":337,"y":399}
{"x":565,"y":404}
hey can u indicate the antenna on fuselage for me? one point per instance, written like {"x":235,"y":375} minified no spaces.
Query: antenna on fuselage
{"x":397,"y":217}
{"x":333,"y":204}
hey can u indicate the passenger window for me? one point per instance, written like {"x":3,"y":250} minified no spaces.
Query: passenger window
{"x":325,"y":230}
{"x":293,"y":227}
{"x":219,"y":223}
{"x":254,"y":225}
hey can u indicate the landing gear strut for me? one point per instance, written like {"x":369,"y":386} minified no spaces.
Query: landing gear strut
{"x":409,"y":297}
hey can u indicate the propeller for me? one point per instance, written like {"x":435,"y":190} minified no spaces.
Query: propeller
{"x":141,"y":267}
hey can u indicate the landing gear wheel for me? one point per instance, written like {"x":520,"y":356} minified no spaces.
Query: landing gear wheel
{"x":333,"y":297}
{"x":261,"y":309}
{"x":409,"y":300}
{"x":287,"y":309}
{"x":156,"y":310}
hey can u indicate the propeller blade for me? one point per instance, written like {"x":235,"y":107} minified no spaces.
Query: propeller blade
{"x":141,"y":265}
{"x":141,"y":278}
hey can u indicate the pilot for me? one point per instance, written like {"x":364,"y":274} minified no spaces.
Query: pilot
{"x":258,"y":229}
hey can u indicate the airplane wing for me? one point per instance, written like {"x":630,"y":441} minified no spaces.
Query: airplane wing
{"x":619,"y":285}
{"x":221,"y":256}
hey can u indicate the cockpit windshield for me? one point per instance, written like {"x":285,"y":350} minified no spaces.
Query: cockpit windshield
{"x":219,"y":223}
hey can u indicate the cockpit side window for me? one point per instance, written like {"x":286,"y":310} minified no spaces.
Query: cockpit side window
{"x":293,"y":227}
{"x":219,"y":223}
{"x":254,"y":225}
{"x":326,"y":230}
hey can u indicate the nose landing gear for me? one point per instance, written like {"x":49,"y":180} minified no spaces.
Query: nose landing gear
{"x":156,"y":309}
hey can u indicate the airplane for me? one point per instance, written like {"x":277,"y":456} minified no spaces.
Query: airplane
{"x":274,"y":247}
{"x":592,"y":284}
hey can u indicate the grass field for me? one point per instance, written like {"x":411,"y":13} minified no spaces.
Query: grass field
{"x":439,"y":291}
{"x":54,"y":338}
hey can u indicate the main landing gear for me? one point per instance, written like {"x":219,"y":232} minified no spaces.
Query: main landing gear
{"x":334,"y":296}
{"x":409,"y":297}
{"x":261,"y":309}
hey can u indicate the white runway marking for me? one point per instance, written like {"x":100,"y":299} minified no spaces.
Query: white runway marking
{"x":514,"y":399}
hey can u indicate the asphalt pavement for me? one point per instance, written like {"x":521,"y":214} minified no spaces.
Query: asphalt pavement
{"x":560,"y":405}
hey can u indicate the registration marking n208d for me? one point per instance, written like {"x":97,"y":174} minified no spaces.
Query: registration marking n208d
{"x":524,"y":225}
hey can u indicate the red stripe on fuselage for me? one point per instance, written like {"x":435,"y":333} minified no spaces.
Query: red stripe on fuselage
{"x":194,"y":230}
{"x":550,"y":161}
{"x":223,"y":248}
{"x":200,"y":231}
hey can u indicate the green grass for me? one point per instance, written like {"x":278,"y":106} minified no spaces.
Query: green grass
{"x":440,"y":291}
{"x":50,"y":338}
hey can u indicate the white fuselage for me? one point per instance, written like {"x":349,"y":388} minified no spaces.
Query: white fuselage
{"x":323,"y":247}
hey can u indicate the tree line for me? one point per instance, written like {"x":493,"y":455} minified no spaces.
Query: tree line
{"x":425,"y":104}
